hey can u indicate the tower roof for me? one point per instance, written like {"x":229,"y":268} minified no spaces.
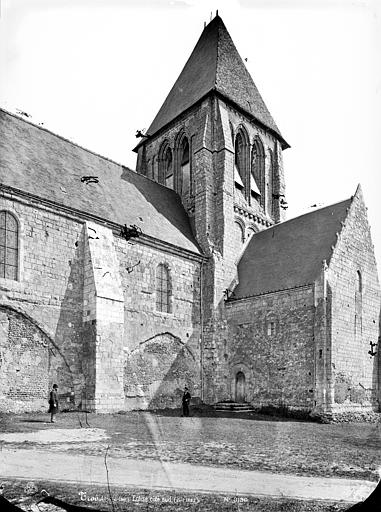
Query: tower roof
{"x":214,"y":65}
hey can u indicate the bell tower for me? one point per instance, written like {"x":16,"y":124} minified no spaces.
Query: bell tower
{"x":216,"y":144}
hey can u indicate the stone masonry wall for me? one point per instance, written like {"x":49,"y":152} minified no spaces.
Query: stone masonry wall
{"x":221,"y":224}
{"x":85,"y":328}
{"x":277,"y":361}
{"x":48,"y":301}
{"x":29,"y":365}
{"x":355,"y":315}
{"x":162,"y":350}
{"x":103,"y":317}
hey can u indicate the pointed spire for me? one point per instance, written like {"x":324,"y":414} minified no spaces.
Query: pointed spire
{"x":215,"y":65}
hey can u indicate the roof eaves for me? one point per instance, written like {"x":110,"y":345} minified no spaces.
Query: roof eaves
{"x":174,"y":120}
{"x":277,"y":135}
{"x":83,"y":216}
{"x":233,"y":299}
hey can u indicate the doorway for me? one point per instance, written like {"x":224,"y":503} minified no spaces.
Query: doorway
{"x":240,"y":387}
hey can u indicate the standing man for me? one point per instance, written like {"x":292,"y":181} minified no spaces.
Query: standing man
{"x":186,"y":401}
{"x":53,"y":403}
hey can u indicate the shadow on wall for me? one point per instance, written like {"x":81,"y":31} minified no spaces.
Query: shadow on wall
{"x":377,"y":369}
{"x":157,"y":371}
{"x":70,"y":374}
{"x":351,"y":393}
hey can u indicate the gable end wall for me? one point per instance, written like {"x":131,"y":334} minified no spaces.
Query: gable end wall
{"x":355,"y":322}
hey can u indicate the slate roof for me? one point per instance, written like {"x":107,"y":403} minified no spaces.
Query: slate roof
{"x":43,"y":164}
{"x":290,"y":254}
{"x":214,"y":65}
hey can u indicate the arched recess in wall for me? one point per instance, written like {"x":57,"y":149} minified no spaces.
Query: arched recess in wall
{"x":251,"y":230}
{"x":239,"y":232}
{"x":184,"y":176}
{"x":29,"y":364}
{"x":157,"y":371}
{"x":257,"y":174}
{"x":241,"y":157}
{"x":166,"y":165}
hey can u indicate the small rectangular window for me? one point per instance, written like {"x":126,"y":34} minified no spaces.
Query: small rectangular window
{"x":271,"y":329}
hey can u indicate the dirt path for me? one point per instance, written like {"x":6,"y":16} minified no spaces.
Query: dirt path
{"x":91,"y":470}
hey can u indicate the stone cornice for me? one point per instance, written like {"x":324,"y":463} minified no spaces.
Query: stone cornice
{"x":81,"y":216}
{"x":255,"y":217}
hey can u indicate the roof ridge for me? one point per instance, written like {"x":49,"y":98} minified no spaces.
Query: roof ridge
{"x":2,"y":109}
{"x":217,"y":54}
{"x":303,"y":215}
{"x":291,"y":253}
{"x":20,"y":118}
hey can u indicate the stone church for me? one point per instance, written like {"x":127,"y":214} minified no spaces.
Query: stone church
{"x":123,"y":286}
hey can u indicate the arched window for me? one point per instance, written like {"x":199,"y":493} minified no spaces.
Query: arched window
{"x":184,"y":166}
{"x":9,"y":245}
{"x":239,"y":162}
{"x":163,"y":289}
{"x":168,"y":168}
{"x":165,"y":165}
{"x":257,"y":179}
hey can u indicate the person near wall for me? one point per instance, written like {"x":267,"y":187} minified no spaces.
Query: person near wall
{"x":53,"y":403}
{"x":186,"y":401}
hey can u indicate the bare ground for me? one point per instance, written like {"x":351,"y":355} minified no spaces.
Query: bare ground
{"x":249,"y":442}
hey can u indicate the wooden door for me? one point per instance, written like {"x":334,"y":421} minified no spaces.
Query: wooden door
{"x":240,"y":387}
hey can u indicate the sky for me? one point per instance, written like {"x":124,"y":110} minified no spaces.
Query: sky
{"x":95,"y":71}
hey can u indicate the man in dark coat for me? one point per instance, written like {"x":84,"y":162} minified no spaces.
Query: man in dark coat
{"x":53,"y":403}
{"x":186,"y":401}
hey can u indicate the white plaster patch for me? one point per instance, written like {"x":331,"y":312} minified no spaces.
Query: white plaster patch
{"x":56,"y":435}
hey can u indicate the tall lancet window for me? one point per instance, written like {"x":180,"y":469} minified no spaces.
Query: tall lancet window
{"x":240,"y":163}
{"x":163,"y":289}
{"x":258,"y":178}
{"x":185,"y":167}
{"x":9,"y":246}
{"x":168,"y":168}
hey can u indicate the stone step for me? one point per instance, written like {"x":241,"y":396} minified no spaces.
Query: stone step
{"x":233,"y":407}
